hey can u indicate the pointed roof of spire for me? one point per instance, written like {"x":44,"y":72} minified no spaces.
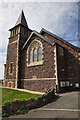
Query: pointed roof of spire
{"x":21,"y":20}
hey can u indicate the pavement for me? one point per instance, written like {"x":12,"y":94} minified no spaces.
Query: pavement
{"x":67,"y":106}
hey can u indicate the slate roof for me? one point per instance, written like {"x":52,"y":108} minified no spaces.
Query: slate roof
{"x":59,"y":38}
{"x":40,"y":36}
{"x":49,"y":40}
{"x":21,"y":20}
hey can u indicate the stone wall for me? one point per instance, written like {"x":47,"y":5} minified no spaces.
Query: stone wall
{"x":38,"y":85}
{"x":69,"y":62}
{"x":18,"y":36}
{"x":46,"y":70}
{"x":10,"y":83}
{"x":11,"y":58}
{"x":61,"y":62}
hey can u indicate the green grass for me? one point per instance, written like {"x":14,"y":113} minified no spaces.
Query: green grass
{"x":9,"y":95}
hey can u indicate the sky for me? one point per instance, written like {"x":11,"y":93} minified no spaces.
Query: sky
{"x":58,"y":17}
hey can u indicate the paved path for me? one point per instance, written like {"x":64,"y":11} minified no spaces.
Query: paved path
{"x":65,"y":107}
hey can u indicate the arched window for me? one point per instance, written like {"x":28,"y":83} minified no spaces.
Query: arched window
{"x":34,"y":53}
{"x":31,"y":56}
{"x":11,"y":68}
{"x":39,"y":54}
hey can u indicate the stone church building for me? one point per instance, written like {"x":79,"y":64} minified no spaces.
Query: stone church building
{"x":40,"y":61}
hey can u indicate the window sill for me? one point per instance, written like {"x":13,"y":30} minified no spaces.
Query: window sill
{"x":35,"y":63}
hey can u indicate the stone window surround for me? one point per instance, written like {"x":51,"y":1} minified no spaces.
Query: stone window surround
{"x":34,"y":63}
{"x":10,"y":68}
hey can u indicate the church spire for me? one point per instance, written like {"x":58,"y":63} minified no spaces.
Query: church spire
{"x":21,"y":20}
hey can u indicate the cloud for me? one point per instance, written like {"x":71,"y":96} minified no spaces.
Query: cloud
{"x":2,"y":61}
{"x":59,"y":18}
{"x":41,"y":1}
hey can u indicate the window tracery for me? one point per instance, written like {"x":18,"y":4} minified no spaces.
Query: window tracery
{"x":35,"y":53}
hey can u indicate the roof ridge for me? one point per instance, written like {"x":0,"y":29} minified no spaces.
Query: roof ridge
{"x":38,"y":34}
{"x":66,"y":42}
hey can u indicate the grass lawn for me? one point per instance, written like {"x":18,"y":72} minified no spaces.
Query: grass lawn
{"x":9,"y":95}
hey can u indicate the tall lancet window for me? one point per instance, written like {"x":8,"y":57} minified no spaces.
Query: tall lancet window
{"x":34,"y":53}
{"x":31,"y":56}
{"x":11,"y":68}
{"x":39,"y":54}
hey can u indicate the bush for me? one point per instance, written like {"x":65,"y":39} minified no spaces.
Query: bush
{"x":21,"y":107}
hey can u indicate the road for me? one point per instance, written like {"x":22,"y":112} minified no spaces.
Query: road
{"x":67,"y":106}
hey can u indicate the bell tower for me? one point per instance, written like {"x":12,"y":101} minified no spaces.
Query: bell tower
{"x":18,"y":35}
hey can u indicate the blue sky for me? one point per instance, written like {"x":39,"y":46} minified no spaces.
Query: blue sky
{"x":61,"y":18}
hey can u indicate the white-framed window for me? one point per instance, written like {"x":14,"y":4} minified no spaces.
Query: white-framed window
{"x":67,"y":83}
{"x":77,"y":85}
{"x":71,"y":84}
{"x":34,"y":53}
{"x":62,"y":84}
